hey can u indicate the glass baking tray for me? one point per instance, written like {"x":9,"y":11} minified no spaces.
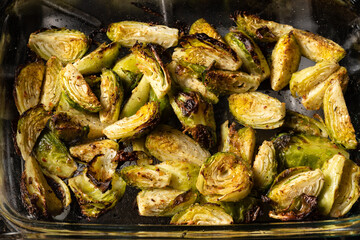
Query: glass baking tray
{"x":337,"y":20}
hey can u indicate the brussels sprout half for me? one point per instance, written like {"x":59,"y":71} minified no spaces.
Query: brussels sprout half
{"x":245,"y":211}
{"x":202,"y":26}
{"x":103,"y":167}
{"x":67,"y":45}
{"x":128,"y":71}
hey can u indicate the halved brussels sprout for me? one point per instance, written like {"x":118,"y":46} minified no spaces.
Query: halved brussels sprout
{"x":285,"y":60}
{"x":225,"y":176}
{"x":303,"y":81}
{"x":337,"y":118}
{"x":202,"y":26}
{"x":183,"y":174}
{"x":228,"y":82}
{"x":203,"y":50}
{"x":77,"y":90}
{"x":151,"y":65}
{"x":128,"y":71}
{"x":245,"y":211}
{"x":315,"y":97}
{"x":38,"y":197}
{"x":349,"y":190}
{"x":318,"y":48}
{"x":164,"y":202}
{"x":292,"y":183}
{"x":263,"y":30}
{"x":241,"y":142}
{"x":249,"y":52}
{"x":257,"y":110}
{"x":303,"y":124}
{"x":88,"y":151}
{"x":102,"y":57}
{"x":93,"y":202}
{"x":103,"y":167}
{"x":265,"y":166}
{"x":295,"y":150}
{"x":53,"y":155}
{"x":127,"y":33}
{"x":188,"y":79}
{"x":332,"y":170}
{"x":111,"y":97}
{"x":206,"y":214}
{"x":51,"y":90}
{"x":27,"y":87}
{"x":148,"y":176}
{"x":29,"y":128}
{"x":197,"y":117}
{"x":134,"y":126}
{"x":67,"y":45}
{"x":167,"y":143}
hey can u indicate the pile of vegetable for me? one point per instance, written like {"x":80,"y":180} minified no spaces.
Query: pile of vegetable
{"x":92,"y":123}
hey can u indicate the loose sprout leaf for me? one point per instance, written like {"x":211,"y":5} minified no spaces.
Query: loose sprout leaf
{"x":202,"y":26}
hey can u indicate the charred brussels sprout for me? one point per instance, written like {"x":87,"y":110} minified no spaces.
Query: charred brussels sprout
{"x":245,"y":211}
{"x":134,"y":126}
{"x":226,"y":177}
{"x":167,"y":143}
{"x":196,"y":116}
{"x":164,"y":202}
{"x":337,"y":118}
{"x":250,"y":54}
{"x":305,"y":150}
{"x":38,"y":197}
{"x":127,"y":33}
{"x":28,"y":83}
{"x":285,"y":60}
{"x":206,"y":214}
{"x":93,"y":202}
{"x":102,"y":57}
{"x":202,"y":26}
{"x":111,"y":97}
{"x":103,"y":167}
{"x":77,"y":90}
{"x":53,"y":155}
{"x":265,"y":166}
{"x":151,"y":65}
{"x":128,"y":71}
{"x":257,"y":110}
{"x":67,"y":45}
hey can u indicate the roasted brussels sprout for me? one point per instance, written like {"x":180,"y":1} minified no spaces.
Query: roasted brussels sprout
{"x":93,"y":202}
{"x":228,"y":82}
{"x":151,"y":65}
{"x":164,"y":202}
{"x":303,"y":124}
{"x":67,"y":45}
{"x":51,"y":91}
{"x":295,"y":150}
{"x":225,"y":176}
{"x":88,"y":151}
{"x":263,"y":30}
{"x":53,"y":155}
{"x":197,"y":117}
{"x":206,"y":214}
{"x":29,"y":128}
{"x":265,"y":166}
{"x":128,"y":71}
{"x":188,"y":79}
{"x":241,"y":142}
{"x":285,"y":60}
{"x":249,"y":52}
{"x":337,"y":118}
{"x":257,"y":110}
{"x":77,"y":90}
{"x":144,"y":177}
{"x":134,"y":126}
{"x":27,"y":87}
{"x":303,"y":81}
{"x":318,"y":48}
{"x":203,"y":50}
{"x":103,"y":167}
{"x":102,"y":57}
{"x":245,"y":211}
{"x":111,"y":97}
{"x":127,"y":33}
{"x":202,"y":26}
{"x":167,"y":143}
{"x":38,"y":197}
